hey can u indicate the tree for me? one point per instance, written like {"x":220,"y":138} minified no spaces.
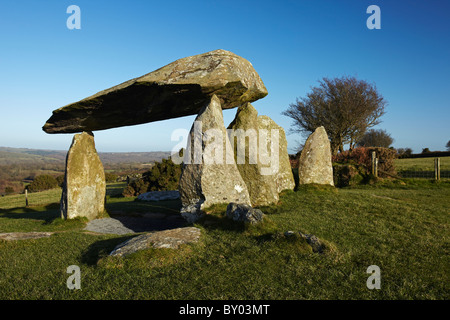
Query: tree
{"x":404,"y":152}
{"x":425,"y":150}
{"x":345,"y":106}
{"x":448,"y":145}
{"x":376,"y":138}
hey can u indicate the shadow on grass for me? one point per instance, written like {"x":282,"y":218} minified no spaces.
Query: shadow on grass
{"x":101,"y":249}
{"x":46,"y":213}
{"x":132,"y":207}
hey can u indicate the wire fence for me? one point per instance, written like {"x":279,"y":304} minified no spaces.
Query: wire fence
{"x":421,"y":174}
{"x":34,"y":199}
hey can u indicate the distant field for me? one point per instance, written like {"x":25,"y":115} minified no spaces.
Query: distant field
{"x":416,"y":166}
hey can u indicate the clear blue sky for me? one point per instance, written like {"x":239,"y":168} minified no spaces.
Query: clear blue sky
{"x":291,"y":44}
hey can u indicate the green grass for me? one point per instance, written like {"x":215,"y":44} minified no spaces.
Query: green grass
{"x":421,"y":164}
{"x":402,"y":228}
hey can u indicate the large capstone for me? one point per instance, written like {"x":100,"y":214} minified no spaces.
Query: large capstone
{"x":209,"y":173}
{"x":315,"y":160}
{"x":84,"y":186}
{"x":178,"y":89}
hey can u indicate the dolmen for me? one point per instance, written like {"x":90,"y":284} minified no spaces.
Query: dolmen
{"x":245,"y":162}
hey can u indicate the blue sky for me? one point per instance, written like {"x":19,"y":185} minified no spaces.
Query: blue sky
{"x":291,"y":44}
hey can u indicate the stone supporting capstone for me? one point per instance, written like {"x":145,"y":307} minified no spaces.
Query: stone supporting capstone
{"x":84,"y":187}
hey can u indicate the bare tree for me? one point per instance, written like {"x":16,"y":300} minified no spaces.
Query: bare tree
{"x":376,"y":138}
{"x":345,"y":106}
{"x":448,"y":145}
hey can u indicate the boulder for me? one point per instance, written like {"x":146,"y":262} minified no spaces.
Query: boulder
{"x":243,"y":133}
{"x":244,"y":213}
{"x":24,"y":235}
{"x":84,"y":187}
{"x":315,"y":243}
{"x":209,"y":173}
{"x":315,"y":160}
{"x":170,"y":239}
{"x":178,"y":89}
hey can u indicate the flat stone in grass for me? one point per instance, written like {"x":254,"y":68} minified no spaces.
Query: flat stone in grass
{"x":107,"y":225}
{"x":171,"y":239}
{"x":24,"y":235}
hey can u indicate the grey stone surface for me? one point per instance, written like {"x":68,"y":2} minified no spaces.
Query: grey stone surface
{"x":265,"y":176}
{"x":178,"y":89}
{"x":107,"y":225}
{"x":315,"y":160}
{"x":24,"y":235}
{"x":244,"y":213}
{"x":171,"y":239}
{"x":284,"y":176}
{"x":84,"y":187}
{"x":213,"y":179}
{"x":261,"y":187}
{"x":159,"y":195}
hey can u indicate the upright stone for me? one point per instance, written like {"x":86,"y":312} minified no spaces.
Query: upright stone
{"x":84,"y":183}
{"x":284,"y":177}
{"x":244,"y":136}
{"x":315,"y":160}
{"x":209,"y":174}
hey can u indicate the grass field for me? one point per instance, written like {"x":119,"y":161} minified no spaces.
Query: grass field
{"x":403,"y":229}
{"x":421,"y":164}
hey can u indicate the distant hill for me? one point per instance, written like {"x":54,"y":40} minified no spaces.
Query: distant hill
{"x":27,"y":156}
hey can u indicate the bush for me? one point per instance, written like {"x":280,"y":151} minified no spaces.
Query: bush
{"x":347,"y":175}
{"x":163,"y":176}
{"x":9,"y":190}
{"x":404,"y":153}
{"x":42,"y":182}
{"x":60,"y":180}
{"x":110,"y":177}
{"x":362,"y":158}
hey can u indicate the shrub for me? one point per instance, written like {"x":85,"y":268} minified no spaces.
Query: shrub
{"x":42,"y":182}
{"x":9,"y":190}
{"x":60,"y":180}
{"x":347,"y":175}
{"x":404,"y":152}
{"x":164,"y":175}
{"x":110,"y":177}
{"x":362,"y":158}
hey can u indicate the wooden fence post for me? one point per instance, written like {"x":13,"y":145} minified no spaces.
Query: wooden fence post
{"x":437,"y":169}
{"x":376,"y":167}
{"x":373,"y":162}
{"x":26,"y":197}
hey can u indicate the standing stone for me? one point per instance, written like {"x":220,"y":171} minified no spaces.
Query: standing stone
{"x":209,"y":174}
{"x":315,"y":160}
{"x":84,"y":182}
{"x":284,"y":177}
{"x":244,"y":136}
